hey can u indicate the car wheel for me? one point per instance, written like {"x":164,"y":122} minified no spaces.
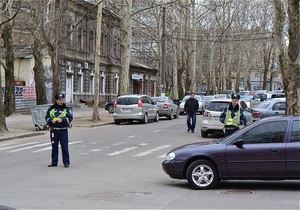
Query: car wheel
{"x":202,"y":174}
{"x":117,"y":122}
{"x":156,"y":119}
{"x":176,"y":115}
{"x":170,"y":115}
{"x":204,"y":133}
{"x":110,"y":109}
{"x":145,"y":119}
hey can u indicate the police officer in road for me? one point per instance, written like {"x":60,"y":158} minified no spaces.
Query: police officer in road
{"x":59,"y":117}
{"x":233,"y":116}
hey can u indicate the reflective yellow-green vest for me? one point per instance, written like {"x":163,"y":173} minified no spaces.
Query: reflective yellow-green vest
{"x":59,"y":117}
{"x":232,"y":121}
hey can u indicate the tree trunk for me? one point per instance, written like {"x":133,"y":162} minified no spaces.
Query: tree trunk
{"x":126,"y":35}
{"x":97,"y":64}
{"x":289,"y":62}
{"x":3,"y":126}
{"x":293,"y":82}
{"x":9,"y":100}
{"x":194,"y":49}
{"x":41,"y":96}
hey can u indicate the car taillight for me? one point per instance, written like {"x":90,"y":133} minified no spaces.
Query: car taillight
{"x":165,"y":105}
{"x":140,"y":104}
{"x":207,"y":114}
{"x":115,"y":104}
{"x":255,"y":114}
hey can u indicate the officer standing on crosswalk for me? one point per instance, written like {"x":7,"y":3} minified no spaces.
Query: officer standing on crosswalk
{"x":59,"y":117}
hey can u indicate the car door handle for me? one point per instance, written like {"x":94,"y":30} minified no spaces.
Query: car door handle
{"x":275,"y":150}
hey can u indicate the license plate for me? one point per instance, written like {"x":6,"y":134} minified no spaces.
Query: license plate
{"x":126,"y":110}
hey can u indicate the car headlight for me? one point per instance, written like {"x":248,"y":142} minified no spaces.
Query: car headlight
{"x":170,"y":156}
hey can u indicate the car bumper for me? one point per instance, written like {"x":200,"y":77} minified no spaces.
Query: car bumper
{"x":210,"y":125}
{"x":174,"y":169}
{"x":164,"y":112}
{"x":138,"y":116}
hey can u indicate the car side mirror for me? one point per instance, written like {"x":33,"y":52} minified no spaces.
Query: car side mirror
{"x":239,"y":143}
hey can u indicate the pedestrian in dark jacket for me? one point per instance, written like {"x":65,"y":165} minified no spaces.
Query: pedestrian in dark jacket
{"x":191,"y":107}
{"x":59,"y":117}
{"x":233,"y":116}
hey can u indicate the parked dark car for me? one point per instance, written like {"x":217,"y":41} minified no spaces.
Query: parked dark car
{"x":266,"y":150}
{"x":109,"y":106}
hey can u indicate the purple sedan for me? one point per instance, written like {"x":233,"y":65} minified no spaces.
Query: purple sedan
{"x":268,"y":149}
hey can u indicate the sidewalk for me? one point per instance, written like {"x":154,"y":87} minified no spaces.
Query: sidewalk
{"x":21,"y":125}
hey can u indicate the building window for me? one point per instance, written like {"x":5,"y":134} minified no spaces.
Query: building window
{"x":80,"y":81}
{"x":116,"y":83}
{"x":102,"y":83}
{"x":91,"y":42}
{"x":80,"y":39}
{"x":257,"y":75}
{"x":92,"y":82}
{"x":85,"y":41}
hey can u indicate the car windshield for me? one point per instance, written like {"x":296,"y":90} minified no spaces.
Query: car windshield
{"x":127,"y":101}
{"x":245,"y":98}
{"x":217,"y":105}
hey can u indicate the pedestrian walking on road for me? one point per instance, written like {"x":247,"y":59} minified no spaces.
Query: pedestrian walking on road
{"x":191,"y":107}
{"x":59,"y":117}
{"x":233,"y":116}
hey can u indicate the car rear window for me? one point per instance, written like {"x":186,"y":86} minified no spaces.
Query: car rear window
{"x":127,"y":101}
{"x":161,"y":99}
{"x":217,"y":106}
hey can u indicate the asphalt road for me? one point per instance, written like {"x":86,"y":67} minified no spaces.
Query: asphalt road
{"x":119,"y":167}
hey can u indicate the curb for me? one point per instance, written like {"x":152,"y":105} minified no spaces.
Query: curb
{"x":21,"y":136}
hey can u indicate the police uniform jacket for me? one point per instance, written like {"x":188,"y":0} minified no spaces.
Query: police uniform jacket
{"x":234,"y":111}
{"x":63,"y":112}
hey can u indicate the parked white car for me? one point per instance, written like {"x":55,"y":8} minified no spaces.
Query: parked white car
{"x":210,"y":120}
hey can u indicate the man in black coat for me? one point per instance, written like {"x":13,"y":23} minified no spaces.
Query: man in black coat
{"x":191,"y":107}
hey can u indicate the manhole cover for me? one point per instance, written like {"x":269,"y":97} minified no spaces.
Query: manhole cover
{"x":237,"y":192}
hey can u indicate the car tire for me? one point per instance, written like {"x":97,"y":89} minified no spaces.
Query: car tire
{"x":145,"y":119}
{"x":204,"y":133}
{"x":110,"y":109}
{"x":170,"y":115}
{"x":156,"y":119}
{"x":202,"y":174}
{"x":177,"y":114}
{"x":117,"y":122}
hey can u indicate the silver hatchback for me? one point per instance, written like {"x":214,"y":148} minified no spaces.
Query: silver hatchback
{"x":129,"y":108}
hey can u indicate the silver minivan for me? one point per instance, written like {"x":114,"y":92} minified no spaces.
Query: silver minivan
{"x":135,"y":107}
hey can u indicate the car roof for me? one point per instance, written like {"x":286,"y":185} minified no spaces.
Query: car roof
{"x":221,"y":100}
{"x":132,"y":95}
{"x":281,"y":117}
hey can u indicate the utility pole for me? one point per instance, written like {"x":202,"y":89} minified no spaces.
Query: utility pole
{"x":163,"y":48}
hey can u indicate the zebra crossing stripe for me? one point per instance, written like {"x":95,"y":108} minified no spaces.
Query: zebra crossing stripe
{"x":19,"y":145}
{"x":24,"y":148}
{"x":152,"y":150}
{"x":122,"y":151}
{"x":48,"y":148}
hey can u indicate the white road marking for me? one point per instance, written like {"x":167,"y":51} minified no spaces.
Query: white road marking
{"x":156,"y":131}
{"x":48,"y":148}
{"x":19,"y":145}
{"x":162,"y":156}
{"x":96,"y":150}
{"x":143,"y":144}
{"x":122,"y":151}
{"x":25,"y":148}
{"x":130,"y":137}
{"x":119,"y":143}
{"x":152,"y":150}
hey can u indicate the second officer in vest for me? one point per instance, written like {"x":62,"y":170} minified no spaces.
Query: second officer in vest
{"x":233,"y":116}
{"x":59,"y":117}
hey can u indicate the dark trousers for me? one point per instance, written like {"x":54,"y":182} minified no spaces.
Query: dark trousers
{"x":189,"y":117}
{"x":231,"y":131}
{"x":60,"y":136}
